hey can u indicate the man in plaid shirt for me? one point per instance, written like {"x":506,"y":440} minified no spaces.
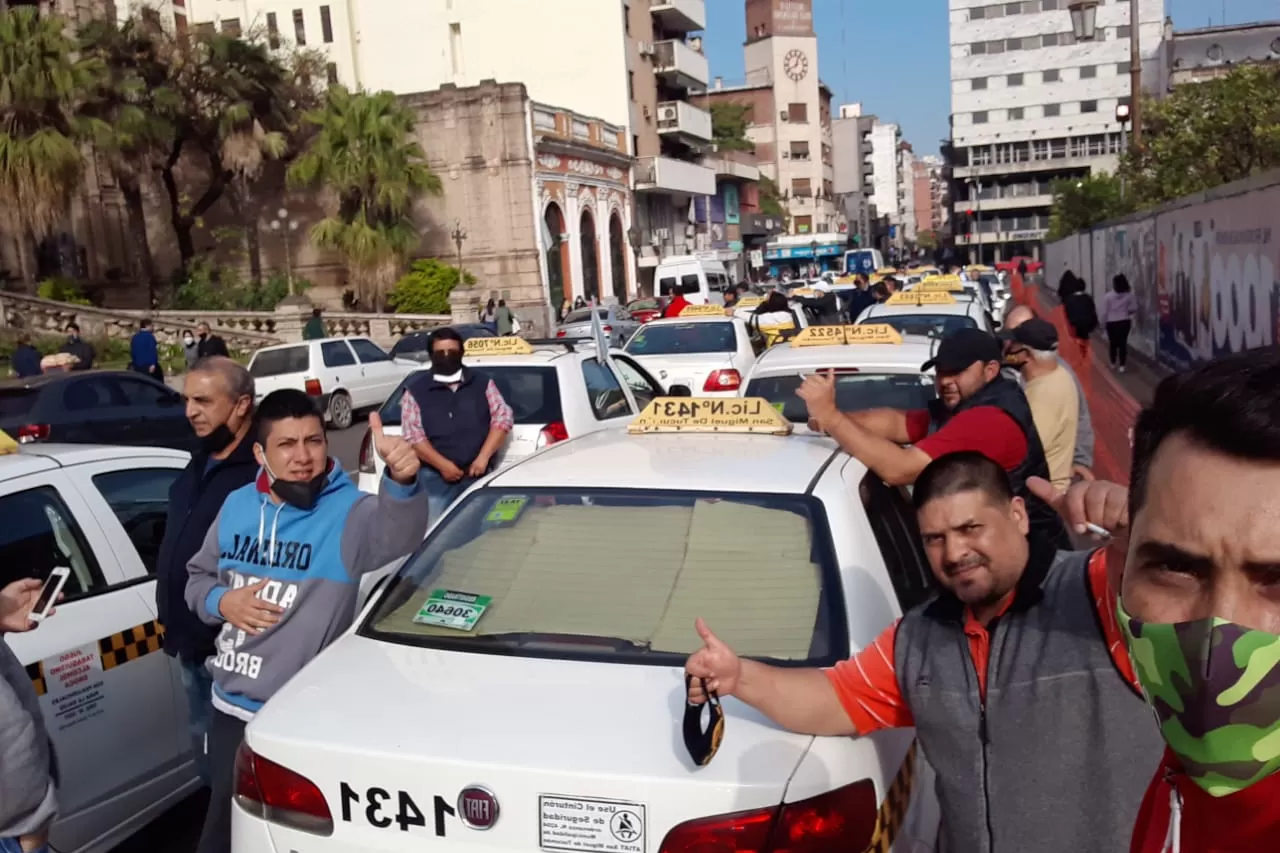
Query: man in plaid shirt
{"x":455,"y":419}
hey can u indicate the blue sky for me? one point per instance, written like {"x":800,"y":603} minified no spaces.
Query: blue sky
{"x":892,"y":54}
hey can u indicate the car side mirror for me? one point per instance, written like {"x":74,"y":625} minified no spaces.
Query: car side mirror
{"x":679,"y":391}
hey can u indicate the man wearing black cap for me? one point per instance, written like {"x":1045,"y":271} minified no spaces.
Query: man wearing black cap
{"x":977,"y":409}
{"x":1032,"y":348}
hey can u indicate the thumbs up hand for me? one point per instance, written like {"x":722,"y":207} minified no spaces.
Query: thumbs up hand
{"x":715,"y":665}
{"x":402,"y":460}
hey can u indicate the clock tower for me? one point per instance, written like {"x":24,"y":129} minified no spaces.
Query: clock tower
{"x":781,"y":53}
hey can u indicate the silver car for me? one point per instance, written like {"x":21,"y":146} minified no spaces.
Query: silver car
{"x":618,"y":324}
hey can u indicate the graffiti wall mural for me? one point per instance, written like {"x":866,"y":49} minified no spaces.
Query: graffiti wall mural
{"x":1205,"y":275}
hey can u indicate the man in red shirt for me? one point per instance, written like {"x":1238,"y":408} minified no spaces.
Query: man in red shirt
{"x":677,"y":304}
{"x":1024,"y":707}
{"x":977,"y":409}
{"x":1200,"y":603}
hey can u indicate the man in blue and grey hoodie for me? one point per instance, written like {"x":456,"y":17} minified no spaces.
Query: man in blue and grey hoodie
{"x":280,"y":570}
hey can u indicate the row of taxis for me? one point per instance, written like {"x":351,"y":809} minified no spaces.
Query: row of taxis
{"x":518,"y":682}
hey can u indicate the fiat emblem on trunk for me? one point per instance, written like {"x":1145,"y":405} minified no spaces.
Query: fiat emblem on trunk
{"x":477,"y":807}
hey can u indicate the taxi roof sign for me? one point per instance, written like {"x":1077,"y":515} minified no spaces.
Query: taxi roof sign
{"x":709,"y":415}
{"x":709,"y":310}
{"x":507,"y":345}
{"x":921,"y":297}
{"x":803,"y":291}
{"x":749,"y":302}
{"x":7,"y":444}
{"x":867,"y":333}
{"x":942,"y":283}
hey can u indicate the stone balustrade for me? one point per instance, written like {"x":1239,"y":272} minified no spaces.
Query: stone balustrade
{"x":243,"y":331}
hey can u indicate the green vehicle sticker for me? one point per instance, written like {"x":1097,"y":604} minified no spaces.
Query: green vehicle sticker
{"x":507,"y":509}
{"x":447,"y":608}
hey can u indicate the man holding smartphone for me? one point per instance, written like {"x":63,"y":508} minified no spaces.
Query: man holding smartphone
{"x":27,"y":792}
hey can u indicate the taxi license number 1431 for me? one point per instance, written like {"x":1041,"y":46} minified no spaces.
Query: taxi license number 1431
{"x":381,"y":808}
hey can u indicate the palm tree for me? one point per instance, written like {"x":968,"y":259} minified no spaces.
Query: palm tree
{"x":365,"y":156}
{"x":136,"y":107}
{"x":41,"y":162}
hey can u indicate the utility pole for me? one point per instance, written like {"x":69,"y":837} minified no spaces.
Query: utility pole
{"x":1135,"y":73}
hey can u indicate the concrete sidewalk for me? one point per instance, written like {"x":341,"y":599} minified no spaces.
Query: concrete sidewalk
{"x":1114,"y":399}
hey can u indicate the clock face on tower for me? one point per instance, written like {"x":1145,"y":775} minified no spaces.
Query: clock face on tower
{"x":795,"y":64}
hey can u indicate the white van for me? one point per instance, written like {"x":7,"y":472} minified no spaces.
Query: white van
{"x":699,"y":279}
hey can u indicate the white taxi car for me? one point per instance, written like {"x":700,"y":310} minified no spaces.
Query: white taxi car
{"x":556,"y":390}
{"x":113,"y":702}
{"x":874,"y":367}
{"x":774,"y":326}
{"x":707,"y":351}
{"x":917,"y":312}
{"x":519,"y":684}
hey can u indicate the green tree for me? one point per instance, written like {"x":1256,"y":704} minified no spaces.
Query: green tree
{"x":136,"y":109}
{"x":729,"y":126}
{"x":1206,"y":134}
{"x":365,"y":156}
{"x":770,"y":198}
{"x":425,"y":288}
{"x":927,"y":239}
{"x":1082,"y":202}
{"x":41,"y":86}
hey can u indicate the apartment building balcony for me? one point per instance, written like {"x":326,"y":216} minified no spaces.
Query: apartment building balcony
{"x":680,"y":65}
{"x":668,"y":175}
{"x":733,"y":165}
{"x":680,"y":16}
{"x":684,"y":120}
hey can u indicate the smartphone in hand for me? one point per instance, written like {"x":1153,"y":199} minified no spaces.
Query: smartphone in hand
{"x":49,"y":593}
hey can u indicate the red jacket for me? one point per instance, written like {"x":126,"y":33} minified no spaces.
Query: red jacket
{"x":677,"y":304}
{"x":1245,"y":822}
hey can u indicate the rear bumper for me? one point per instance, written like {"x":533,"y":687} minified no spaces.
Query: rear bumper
{"x":322,"y":404}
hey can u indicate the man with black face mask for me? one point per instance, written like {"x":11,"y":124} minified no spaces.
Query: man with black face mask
{"x":219,"y":397}
{"x":455,"y":419}
{"x":280,"y":570}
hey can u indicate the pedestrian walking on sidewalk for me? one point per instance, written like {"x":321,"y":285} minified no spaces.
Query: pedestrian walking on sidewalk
{"x":1118,"y":308}
{"x":1082,"y":319}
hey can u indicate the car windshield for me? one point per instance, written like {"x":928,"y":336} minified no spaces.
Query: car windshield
{"x":411,"y":346}
{"x":936,"y":325}
{"x":855,"y":392}
{"x":583,"y":315}
{"x":622,"y":573}
{"x":644,"y":305}
{"x":276,"y":362}
{"x":683,"y":339}
{"x":533,"y":393}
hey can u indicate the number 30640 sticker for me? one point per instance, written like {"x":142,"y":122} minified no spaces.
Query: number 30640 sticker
{"x":445,"y":608}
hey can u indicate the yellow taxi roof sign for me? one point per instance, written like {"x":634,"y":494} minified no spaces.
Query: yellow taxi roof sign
{"x":803,"y":291}
{"x":826,"y":336}
{"x":921,"y":297}
{"x":887,"y":271}
{"x":710,"y":414}
{"x":749,"y":302}
{"x":506,"y":345}
{"x":944,"y":283}
{"x":7,"y":444}
{"x":702,"y":311}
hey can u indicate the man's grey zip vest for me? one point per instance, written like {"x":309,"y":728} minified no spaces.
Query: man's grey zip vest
{"x":1007,"y":396}
{"x":1058,"y":756}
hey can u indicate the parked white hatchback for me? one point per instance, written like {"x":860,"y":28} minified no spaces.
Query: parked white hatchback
{"x":345,"y":375}
{"x":709,"y":353}
{"x":556,"y":390}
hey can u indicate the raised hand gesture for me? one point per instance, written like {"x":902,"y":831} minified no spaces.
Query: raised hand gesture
{"x":715,"y":665}
{"x":402,"y":461}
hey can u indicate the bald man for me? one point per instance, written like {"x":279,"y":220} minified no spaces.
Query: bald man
{"x":1082,"y":459}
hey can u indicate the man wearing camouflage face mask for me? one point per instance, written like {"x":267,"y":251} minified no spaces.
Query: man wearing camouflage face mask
{"x":1199,"y":602}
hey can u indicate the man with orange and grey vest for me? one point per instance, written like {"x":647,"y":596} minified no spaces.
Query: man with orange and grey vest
{"x":1025,"y":708}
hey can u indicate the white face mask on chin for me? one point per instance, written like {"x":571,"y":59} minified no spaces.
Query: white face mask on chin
{"x":451,"y":379}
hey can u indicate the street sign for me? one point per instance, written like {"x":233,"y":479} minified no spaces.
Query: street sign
{"x":757,"y":258}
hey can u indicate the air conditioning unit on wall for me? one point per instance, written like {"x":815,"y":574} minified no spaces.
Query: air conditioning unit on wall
{"x":668,"y":113}
{"x":647,"y":48}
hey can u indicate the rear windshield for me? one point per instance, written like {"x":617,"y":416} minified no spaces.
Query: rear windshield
{"x":683,"y":339}
{"x":583,"y":315}
{"x":644,"y":305}
{"x":855,"y":392}
{"x":533,"y":393}
{"x":624,"y":574}
{"x":410,"y":345}
{"x":16,"y":403}
{"x":937,"y":325}
{"x":277,"y":362}
{"x":688,"y":284}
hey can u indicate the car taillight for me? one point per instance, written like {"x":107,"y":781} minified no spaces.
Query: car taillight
{"x":32,"y":432}
{"x":312,"y":387}
{"x":368,"y":460}
{"x":277,"y":794}
{"x":839,"y":820}
{"x":607,"y":328}
{"x":552,"y":433}
{"x":723,"y":380}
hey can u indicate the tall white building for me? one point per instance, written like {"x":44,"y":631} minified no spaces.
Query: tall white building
{"x":886,"y":172}
{"x":907,"y":194}
{"x":1031,"y":104}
